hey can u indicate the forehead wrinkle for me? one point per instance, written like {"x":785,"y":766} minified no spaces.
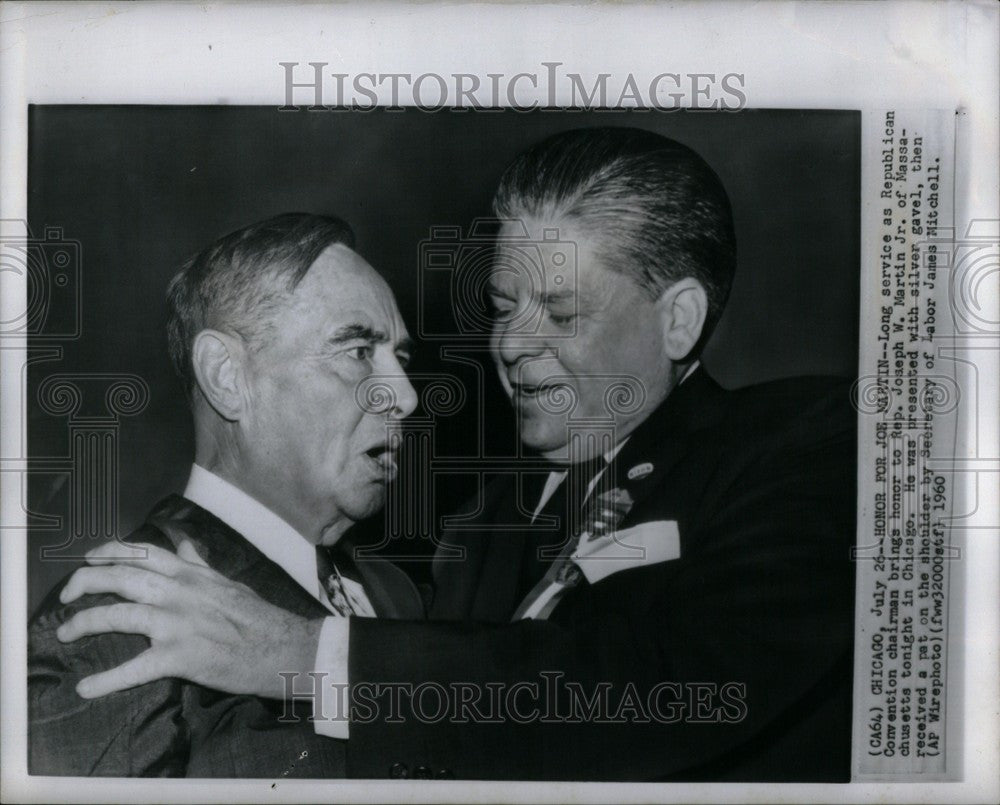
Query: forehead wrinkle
{"x":383,"y":301}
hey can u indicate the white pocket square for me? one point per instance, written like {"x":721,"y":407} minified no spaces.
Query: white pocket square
{"x":638,"y":546}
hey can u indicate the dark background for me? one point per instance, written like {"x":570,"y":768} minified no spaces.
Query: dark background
{"x":143,"y":187}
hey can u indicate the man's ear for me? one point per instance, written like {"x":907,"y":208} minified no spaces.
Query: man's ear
{"x":683,"y":308}
{"x":218,"y":362}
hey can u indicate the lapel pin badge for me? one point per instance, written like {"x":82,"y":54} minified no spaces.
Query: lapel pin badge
{"x":640,"y":471}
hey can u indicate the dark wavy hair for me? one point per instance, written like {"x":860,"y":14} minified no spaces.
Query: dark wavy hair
{"x":659,"y":211}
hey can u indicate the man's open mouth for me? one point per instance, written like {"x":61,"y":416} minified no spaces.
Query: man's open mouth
{"x":383,"y":456}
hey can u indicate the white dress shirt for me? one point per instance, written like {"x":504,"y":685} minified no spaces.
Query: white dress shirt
{"x":266,"y":531}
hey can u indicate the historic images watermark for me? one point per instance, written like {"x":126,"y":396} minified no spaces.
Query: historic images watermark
{"x":313,"y":86}
{"x":550,"y":699}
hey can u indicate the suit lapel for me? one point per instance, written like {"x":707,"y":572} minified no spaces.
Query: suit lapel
{"x":391,"y":592}
{"x":478,"y":582}
{"x":227,"y":552}
{"x":496,"y":592}
{"x":658,"y":444}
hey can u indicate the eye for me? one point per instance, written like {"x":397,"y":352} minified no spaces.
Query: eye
{"x":404,"y":359}
{"x":502,"y":308}
{"x":561,"y":321}
{"x":363,"y":352}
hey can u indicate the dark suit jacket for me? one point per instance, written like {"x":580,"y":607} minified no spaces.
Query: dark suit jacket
{"x":761,"y":485}
{"x":172,"y":727}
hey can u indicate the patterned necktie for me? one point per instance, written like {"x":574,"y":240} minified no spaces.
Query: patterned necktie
{"x":555,"y":523}
{"x":593,"y":517}
{"x":333,"y":585}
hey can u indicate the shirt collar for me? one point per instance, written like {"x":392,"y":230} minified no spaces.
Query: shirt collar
{"x":260,"y":526}
{"x":690,"y":371}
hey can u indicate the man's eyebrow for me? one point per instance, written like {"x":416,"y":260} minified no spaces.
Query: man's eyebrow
{"x":358,"y":332}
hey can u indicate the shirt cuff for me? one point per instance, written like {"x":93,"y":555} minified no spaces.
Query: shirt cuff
{"x":330,"y":704}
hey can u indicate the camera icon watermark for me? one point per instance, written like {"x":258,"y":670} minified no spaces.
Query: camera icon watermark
{"x":494,"y":255}
{"x":49,"y":266}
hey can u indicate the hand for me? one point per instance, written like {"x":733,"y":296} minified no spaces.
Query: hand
{"x":203,"y":627}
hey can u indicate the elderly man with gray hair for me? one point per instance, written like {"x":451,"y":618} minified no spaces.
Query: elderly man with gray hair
{"x":273,"y":329}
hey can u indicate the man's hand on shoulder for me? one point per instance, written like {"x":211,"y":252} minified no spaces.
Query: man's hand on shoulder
{"x":202,"y":626}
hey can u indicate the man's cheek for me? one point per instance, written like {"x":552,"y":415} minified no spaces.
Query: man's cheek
{"x":542,"y":427}
{"x":347,"y":379}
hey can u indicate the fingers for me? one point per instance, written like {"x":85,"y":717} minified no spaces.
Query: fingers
{"x":139,"y":554}
{"x":135,"y":672}
{"x":136,"y":584}
{"x":129,"y":618}
{"x":116,"y":550}
{"x":187,"y":552}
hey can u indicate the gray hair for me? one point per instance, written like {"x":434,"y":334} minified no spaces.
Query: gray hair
{"x":239,"y":281}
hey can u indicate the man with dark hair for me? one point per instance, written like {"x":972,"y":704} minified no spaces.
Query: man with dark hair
{"x":274,"y":329}
{"x":663,"y":213}
{"x":667,"y":594}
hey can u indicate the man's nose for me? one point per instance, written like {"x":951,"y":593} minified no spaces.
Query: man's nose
{"x":404,"y":396}
{"x":389,"y":394}
{"x":515,"y":343}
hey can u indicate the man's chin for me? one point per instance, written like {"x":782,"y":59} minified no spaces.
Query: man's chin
{"x":555,"y":445}
{"x":550,"y":442}
{"x":363,"y":509}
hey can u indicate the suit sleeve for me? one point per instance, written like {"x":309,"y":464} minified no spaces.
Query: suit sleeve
{"x":751,"y":630}
{"x":137,"y":732}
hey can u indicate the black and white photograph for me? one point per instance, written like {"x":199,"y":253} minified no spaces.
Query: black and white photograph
{"x":460,"y":434}
{"x":618,"y":339}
